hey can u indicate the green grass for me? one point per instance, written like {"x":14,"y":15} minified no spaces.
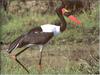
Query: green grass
{"x":57,"y":59}
{"x":19,"y":25}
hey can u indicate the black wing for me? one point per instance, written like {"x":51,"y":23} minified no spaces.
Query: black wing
{"x":36,"y":38}
{"x":31,"y":38}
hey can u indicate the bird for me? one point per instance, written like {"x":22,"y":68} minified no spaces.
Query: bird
{"x":39,"y":36}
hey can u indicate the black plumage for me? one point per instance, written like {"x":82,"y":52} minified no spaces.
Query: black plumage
{"x":34,"y":36}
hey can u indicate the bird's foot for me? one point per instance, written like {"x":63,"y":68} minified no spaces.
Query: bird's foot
{"x":40,"y":66}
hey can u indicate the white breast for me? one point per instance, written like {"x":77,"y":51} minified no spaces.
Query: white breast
{"x":51,"y":28}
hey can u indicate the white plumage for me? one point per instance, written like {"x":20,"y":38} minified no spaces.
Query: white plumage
{"x":51,"y":28}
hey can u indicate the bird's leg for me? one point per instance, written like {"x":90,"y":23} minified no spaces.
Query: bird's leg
{"x":22,"y":65}
{"x":14,"y":56}
{"x":40,"y":58}
{"x":19,"y":61}
{"x":28,"y":46}
{"x":21,"y":51}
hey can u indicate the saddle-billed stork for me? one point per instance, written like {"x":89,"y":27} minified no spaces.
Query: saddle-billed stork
{"x":40,"y":35}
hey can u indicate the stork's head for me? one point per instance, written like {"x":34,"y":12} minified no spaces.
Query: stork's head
{"x":65,"y":12}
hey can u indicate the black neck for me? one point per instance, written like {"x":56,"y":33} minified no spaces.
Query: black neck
{"x":63,"y":21}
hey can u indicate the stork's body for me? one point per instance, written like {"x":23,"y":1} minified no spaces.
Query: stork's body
{"x":39,"y":36}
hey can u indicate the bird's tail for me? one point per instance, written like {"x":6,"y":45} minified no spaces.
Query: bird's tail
{"x":15,"y":44}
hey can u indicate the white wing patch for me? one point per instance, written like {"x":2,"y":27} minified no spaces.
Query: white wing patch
{"x":51,"y":28}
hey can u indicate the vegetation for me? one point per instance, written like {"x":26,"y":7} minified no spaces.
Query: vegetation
{"x":76,"y":51}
